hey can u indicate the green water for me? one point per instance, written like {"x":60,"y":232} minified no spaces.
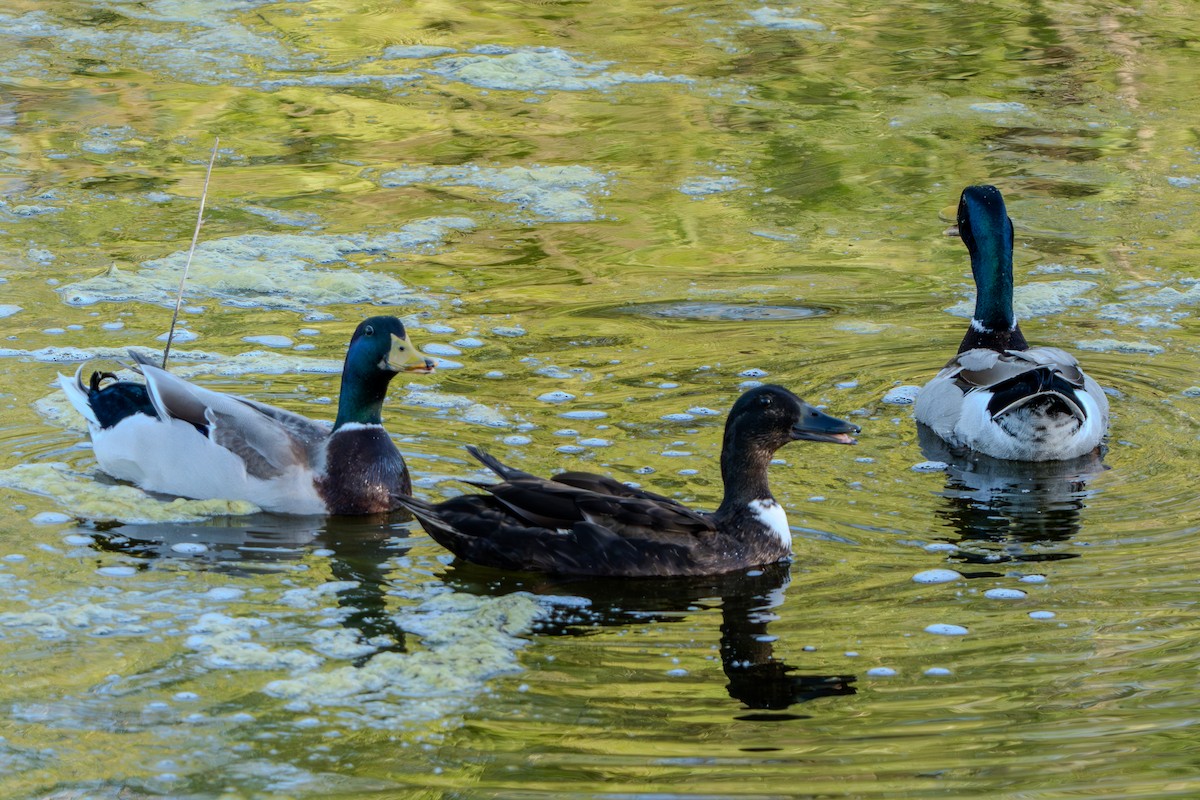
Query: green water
{"x":702,"y":194}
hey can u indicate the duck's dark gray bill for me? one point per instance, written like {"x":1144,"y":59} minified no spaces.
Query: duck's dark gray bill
{"x":817,"y":426}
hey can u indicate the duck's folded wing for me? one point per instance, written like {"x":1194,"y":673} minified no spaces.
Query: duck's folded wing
{"x":538,"y":501}
{"x":479,"y":528}
{"x":269,"y":441}
{"x":587,"y":481}
{"x":982,"y":369}
{"x":559,"y":506}
{"x":1063,"y":363}
{"x":602,"y":484}
{"x":638,"y":518}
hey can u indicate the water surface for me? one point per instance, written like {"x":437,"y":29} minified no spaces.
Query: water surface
{"x":607,"y":221}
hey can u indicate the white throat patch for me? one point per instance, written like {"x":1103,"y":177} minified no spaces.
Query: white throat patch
{"x":772,"y":515}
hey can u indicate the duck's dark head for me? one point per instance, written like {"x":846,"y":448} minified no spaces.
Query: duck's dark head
{"x":987,"y":232}
{"x":379,"y":349}
{"x":763,"y":420}
{"x":381,"y":343}
{"x":768,"y":417}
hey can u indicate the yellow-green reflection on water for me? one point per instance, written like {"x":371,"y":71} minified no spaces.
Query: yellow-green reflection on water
{"x":664,"y":201}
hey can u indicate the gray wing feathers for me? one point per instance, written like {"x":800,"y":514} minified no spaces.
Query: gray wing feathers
{"x":269,"y":440}
{"x":982,"y":369}
{"x":939,"y":403}
{"x":267,"y":450}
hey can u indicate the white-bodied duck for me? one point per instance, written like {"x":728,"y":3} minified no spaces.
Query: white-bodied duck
{"x":998,"y":395}
{"x":171,"y":436}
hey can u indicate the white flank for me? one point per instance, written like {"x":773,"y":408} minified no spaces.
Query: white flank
{"x":772,"y":515}
{"x":172,"y":457}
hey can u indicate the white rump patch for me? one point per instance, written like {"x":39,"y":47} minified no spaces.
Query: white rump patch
{"x":772,"y":515}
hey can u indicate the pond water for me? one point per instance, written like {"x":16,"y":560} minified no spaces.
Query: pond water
{"x":605,"y":220}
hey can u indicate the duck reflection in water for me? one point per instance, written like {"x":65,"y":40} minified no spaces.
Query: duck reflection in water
{"x":1011,"y":510}
{"x":359,"y":549}
{"x":756,"y":677}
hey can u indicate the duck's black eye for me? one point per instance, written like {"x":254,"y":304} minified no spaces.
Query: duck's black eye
{"x":764,"y":400}
{"x":368,"y":331}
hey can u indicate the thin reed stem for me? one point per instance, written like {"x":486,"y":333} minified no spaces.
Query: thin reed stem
{"x":191,"y":252}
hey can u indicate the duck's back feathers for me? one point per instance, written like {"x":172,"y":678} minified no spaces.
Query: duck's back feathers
{"x":268,"y":440}
{"x":170,"y":436}
{"x":1028,"y":405}
{"x":583,"y":497}
{"x":482,"y":530}
{"x":588,"y":481}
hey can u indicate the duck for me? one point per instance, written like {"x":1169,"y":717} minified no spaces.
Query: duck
{"x":998,"y":396}
{"x":171,"y":436}
{"x":586,"y":525}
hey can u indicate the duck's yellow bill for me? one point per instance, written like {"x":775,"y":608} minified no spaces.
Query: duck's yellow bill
{"x":405,"y":357}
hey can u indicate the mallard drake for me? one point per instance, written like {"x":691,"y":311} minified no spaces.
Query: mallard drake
{"x":999,"y":396}
{"x":578,"y":523}
{"x":171,"y":436}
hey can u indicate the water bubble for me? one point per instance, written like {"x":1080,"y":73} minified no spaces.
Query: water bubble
{"x":944,"y":629}
{"x":50,"y":518}
{"x":937,"y":576}
{"x":268,"y":340}
{"x":901,"y":395}
{"x":583,"y":414}
{"x":116,"y":572}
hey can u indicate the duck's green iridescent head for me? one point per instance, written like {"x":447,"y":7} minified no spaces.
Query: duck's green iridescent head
{"x":987,"y":232}
{"x":379,"y":349}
